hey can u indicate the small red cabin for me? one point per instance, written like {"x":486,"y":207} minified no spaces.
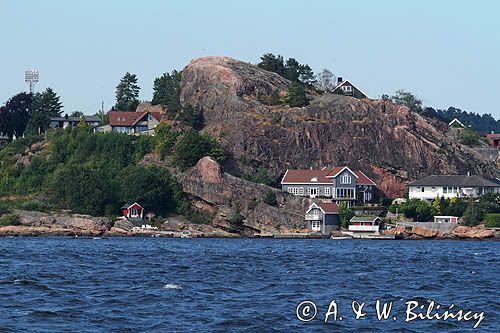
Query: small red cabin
{"x":133,"y":211}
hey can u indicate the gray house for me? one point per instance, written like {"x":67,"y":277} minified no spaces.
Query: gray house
{"x":322,"y":217}
{"x":63,"y":122}
{"x":346,"y":88}
{"x":340,"y":184}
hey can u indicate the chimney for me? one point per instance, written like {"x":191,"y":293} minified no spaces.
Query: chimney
{"x":468,"y":173}
{"x":66,"y":116}
{"x":339,"y":80}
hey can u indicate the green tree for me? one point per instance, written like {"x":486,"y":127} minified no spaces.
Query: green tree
{"x":192,"y":146}
{"x":270,"y":198}
{"x":78,"y":114}
{"x":44,"y":105}
{"x":166,"y":91}
{"x":296,"y":95}
{"x":150,"y":186}
{"x":15,"y":114}
{"x":344,"y":215}
{"x":490,"y":202}
{"x":473,"y":214}
{"x":407,"y":99}
{"x":192,"y":117}
{"x":127,"y":93}
{"x":272,"y":63}
{"x":292,"y":68}
{"x":468,"y":137}
{"x":306,"y":75}
{"x":165,"y":139}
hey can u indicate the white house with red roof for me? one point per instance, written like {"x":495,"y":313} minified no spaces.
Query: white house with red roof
{"x":131,"y":122}
{"x":322,"y":217}
{"x":340,"y":184}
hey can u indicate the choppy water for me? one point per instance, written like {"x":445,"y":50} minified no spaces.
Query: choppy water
{"x":242,"y":285}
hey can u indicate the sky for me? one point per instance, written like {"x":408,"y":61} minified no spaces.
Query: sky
{"x":446,"y":52}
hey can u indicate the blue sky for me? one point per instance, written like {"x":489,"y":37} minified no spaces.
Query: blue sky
{"x":446,"y":52}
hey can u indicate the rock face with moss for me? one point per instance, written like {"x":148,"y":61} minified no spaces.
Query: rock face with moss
{"x":388,"y":142}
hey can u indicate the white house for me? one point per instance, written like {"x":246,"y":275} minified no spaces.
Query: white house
{"x":452,"y":186}
{"x":366,"y":223}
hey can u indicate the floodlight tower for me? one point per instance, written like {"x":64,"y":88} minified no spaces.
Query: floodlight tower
{"x":31,"y":78}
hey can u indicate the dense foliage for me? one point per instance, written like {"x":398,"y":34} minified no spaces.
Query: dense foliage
{"x":345,"y":215}
{"x":91,"y":173}
{"x":291,"y":69}
{"x":296,"y":95}
{"x":405,"y":98}
{"x":44,"y":105}
{"x":14,"y":115}
{"x":166,"y":91}
{"x":484,"y":123}
{"x":469,"y":137}
{"x":192,"y":146}
{"x":127,"y":93}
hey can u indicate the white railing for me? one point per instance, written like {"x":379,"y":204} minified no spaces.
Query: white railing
{"x":314,"y":217}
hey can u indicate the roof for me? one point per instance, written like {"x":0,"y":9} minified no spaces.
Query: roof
{"x":129,"y":118}
{"x":307,"y":176}
{"x":328,"y":207}
{"x":455,"y":120}
{"x":456,"y":180}
{"x":303,"y":176}
{"x":76,"y":119}
{"x":364,"y":218}
{"x":127,"y":205}
{"x":493,"y":136}
{"x":336,"y":170}
{"x":347,"y":81}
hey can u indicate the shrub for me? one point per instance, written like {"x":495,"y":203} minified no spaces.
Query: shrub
{"x":296,"y":95}
{"x":35,"y":205}
{"x":473,"y":215}
{"x":9,"y":219}
{"x":199,"y":216}
{"x":469,"y":137}
{"x":270,"y":198}
{"x":386,"y":202}
{"x":418,"y":210}
{"x":492,"y":220}
{"x":252,"y":203}
{"x":236,"y":219}
{"x":192,"y":146}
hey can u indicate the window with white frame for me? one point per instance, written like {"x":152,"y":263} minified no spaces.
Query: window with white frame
{"x":346,"y":88}
{"x":301,"y":191}
{"x":327,"y":191}
{"x":345,"y":179}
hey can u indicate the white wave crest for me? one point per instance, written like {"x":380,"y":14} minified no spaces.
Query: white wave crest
{"x":172,"y":286}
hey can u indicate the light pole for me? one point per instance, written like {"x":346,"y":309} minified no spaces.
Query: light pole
{"x":31,"y":78}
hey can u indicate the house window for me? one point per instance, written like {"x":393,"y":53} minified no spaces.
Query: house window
{"x":423,"y":189}
{"x":327,"y":192}
{"x":134,"y":212}
{"x":345,"y":179}
{"x":313,"y":191}
{"x":433,"y":189}
{"x":445,"y":190}
{"x":347,"y":88}
{"x":301,"y":191}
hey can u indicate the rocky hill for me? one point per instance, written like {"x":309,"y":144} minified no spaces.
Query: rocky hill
{"x":388,"y":142}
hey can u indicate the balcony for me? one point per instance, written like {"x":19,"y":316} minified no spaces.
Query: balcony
{"x":314,"y":217}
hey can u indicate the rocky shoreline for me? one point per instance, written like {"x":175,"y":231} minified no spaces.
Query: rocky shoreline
{"x":37,"y":224}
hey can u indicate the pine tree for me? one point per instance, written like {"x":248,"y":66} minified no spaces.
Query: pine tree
{"x":127,"y":93}
{"x":296,"y":95}
{"x":166,"y":91}
{"x":44,"y":105}
{"x":292,"y":70}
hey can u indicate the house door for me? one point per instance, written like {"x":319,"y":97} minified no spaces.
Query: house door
{"x":316,"y":226}
{"x":313,"y":192}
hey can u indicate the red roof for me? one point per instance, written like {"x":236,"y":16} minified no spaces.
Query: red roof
{"x":493,"y":136}
{"x":129,"y":118}
{"x":307,"y":176}
{"x":328,"y":207}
